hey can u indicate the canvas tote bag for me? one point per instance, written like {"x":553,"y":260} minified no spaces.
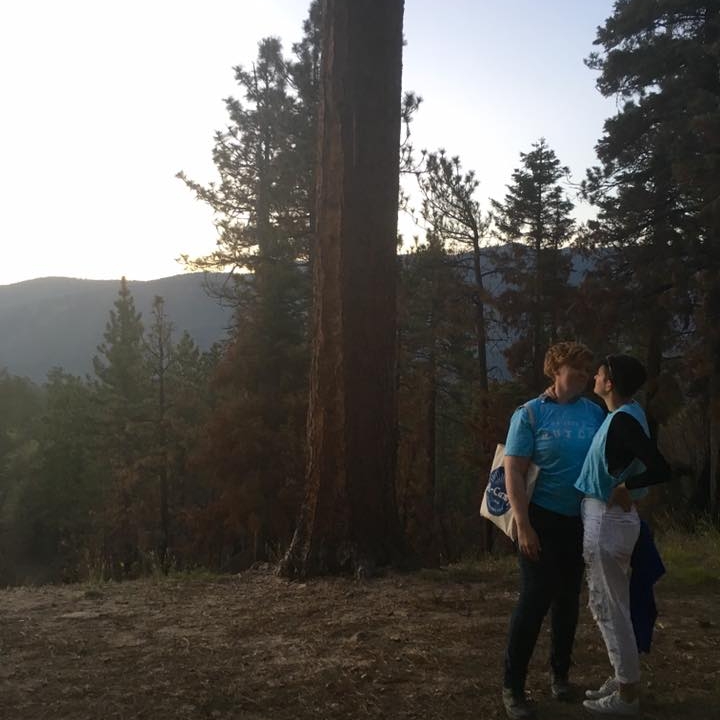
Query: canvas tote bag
{"x":495,"y":505}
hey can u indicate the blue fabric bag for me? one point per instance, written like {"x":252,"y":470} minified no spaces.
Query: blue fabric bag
{"x":647,"y":568}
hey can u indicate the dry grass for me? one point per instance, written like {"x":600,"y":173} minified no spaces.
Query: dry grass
{"x":426,"y":645}
{"x":692,"y":560}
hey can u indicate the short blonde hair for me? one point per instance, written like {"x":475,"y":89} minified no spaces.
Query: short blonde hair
{"x":574,"y":354}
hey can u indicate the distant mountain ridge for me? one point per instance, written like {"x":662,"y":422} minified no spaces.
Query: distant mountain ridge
{"x":59,"y":322}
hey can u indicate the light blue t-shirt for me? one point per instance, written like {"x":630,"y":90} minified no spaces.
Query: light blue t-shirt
{"x":595,"y":480}
{"x":557,"y":442}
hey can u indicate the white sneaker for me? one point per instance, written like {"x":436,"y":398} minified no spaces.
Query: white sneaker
{"x":607,"y":688}
{"x":612,"y":704}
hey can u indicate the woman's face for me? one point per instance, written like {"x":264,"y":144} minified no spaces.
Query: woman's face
{"x":570,"y":380}
{"x":602,"y":380}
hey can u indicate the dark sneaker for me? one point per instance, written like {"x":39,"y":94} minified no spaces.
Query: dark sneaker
{"x":517,"y":707}
{"x":560,"y":688}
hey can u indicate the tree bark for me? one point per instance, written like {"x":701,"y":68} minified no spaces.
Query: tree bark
{"x":349,"y":520}
{"x":712,"y":312}
{"x":656,"y":335}
{"x":538,"y":351}
{"x":480,"y":327}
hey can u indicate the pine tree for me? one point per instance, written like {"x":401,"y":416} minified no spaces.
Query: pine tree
{"x":453,"y":216}
{"x":641,"y":237}
{"x":436,"y":374}
{"x":264,"y":206}
{"x":119,"y":364}
{"x":265,"y":161}
{"x":57,"y":512}
{"x":122,"y":391}
{"x":160,"y":358}
{"x":534,"y":219}
{"x":663,"y":149}
{"x":190,"y":401}
{"x":22,"y":403}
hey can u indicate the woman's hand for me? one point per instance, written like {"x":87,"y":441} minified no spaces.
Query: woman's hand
{"x":528,"y":541}
{"x":621,"y":496}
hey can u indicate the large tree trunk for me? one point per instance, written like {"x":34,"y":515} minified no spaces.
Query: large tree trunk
{"x":480,"y":327}
{"x":712,"y":311}
{"x":656,"y":334}
{"x":349,"y":517}
{"x":485,"y":439}
{"x":538,"y":336}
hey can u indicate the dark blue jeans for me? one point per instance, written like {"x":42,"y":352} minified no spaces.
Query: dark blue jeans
{"x":553,"y":581}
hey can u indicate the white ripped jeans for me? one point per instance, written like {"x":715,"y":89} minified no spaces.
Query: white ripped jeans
{"x":610,"y":535}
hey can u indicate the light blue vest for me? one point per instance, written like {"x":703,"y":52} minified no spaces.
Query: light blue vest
{"x":595,"y":480}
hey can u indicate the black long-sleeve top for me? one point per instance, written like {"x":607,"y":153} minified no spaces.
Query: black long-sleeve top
{"x":626,"y":440}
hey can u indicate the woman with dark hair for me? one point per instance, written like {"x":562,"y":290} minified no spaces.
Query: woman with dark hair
{"x":554,"y":431}
{"x":621,"y":463}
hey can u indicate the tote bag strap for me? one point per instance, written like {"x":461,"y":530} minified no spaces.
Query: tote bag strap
{"x":531,"y":407}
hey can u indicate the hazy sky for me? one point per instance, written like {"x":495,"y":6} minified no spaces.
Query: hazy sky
{"x":103,"y":102}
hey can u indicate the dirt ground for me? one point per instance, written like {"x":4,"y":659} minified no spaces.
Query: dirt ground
{"x":254,"y":646}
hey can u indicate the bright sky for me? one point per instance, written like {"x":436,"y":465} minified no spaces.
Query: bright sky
{"x":104,"y":102}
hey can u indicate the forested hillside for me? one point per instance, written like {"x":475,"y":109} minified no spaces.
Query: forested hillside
{"x":58,"y":322}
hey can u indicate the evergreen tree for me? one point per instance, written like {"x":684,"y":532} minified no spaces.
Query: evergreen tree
{"x":534,"y":220}
{"x":123,"y":385}
{"x":119,"y":364}
{"x":190,"y":400}
{"x":264,"y":203}
{"x":453,"y":216}
{"x":641,"y":236}
{"x":56,"y":518}
{"x":21,"y":403}
{"x":437,"y":371}
{"x":265,"y":160}
{"x":663,"y":151}
{"x":160,"y":357}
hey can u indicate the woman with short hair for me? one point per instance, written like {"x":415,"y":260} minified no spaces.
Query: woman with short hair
{"x":621,"y":463}
{"x":554,"y":431}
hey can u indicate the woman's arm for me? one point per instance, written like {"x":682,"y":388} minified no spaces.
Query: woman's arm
{"x":626,"y":441}
{"x":515,"y":473}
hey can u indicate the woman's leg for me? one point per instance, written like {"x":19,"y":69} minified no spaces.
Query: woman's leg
{"x":610,"y":536}
{"x":526,"y":621}
{"x":566,"y":602}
